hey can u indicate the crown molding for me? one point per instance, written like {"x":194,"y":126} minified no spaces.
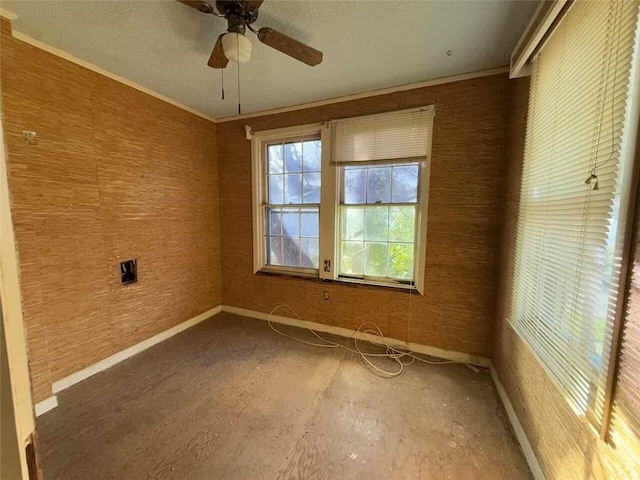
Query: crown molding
{"x":372,"y":93}
{"x":8,"y":14}
{"x":292,"y":108}
{"x":71,"y":58}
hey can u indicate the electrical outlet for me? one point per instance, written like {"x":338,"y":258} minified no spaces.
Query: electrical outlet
{"x":326,"y":295}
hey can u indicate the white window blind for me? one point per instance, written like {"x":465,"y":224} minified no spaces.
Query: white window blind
{"x":400,"y":135}
{"x":569,"y":233}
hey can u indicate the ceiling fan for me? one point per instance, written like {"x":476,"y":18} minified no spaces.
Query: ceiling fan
{"x":234,"y":45}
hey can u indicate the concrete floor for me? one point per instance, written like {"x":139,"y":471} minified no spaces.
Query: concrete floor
{"x":230,"y":399}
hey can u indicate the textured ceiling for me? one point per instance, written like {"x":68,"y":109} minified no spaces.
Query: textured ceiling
{"x":367,"y":45}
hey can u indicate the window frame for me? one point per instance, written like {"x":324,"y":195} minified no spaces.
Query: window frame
{"x":329,"y":223}
{"x":419,"y":246}
{"x":259,"y":143}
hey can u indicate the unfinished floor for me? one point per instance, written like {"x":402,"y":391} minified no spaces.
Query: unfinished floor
{"x":229,"y":398}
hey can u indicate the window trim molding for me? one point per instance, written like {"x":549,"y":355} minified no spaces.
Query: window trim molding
{"x":547,"y":16}
{"x":258,"y":143}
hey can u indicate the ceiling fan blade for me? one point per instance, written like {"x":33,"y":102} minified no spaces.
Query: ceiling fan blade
{"x":289,"y":46}
{"x":199,"y":5}
{"x":217,"y":58}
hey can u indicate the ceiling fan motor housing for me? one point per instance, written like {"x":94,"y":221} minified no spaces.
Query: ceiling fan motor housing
{"x":237,"y":8}
{"x":236,"y":24}
{"x":233,"y":44}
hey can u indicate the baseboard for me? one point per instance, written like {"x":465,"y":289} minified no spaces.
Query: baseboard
{"x":345,"y":332}
{"x":529,"y":454}
{"x":85,"y":373}
{"x":45,"y":405}
{"x":51,"y":402}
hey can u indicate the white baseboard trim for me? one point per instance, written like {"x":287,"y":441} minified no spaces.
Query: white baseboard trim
{"x":45,"y":405}
{"x":527,"y":449}
{"x":345,"y":332}
{"x":85,"y":373}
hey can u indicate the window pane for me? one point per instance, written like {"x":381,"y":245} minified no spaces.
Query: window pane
{"x":275,"y":158}
{"x":405,"y":184}
{"x":312,"y":155}
{"x":351,"y":262}
{"x":275,"y":189}
{"x":291,"y":251}
{"x":375,"y":259}
{"x":355,"y":189}
{"x":274,"y":250}
{"x":274,"y":222}
{"x":401,"y":260}
{"x":379,"y":185}
{"x":293,"y":188}
{"x":311,"y":187}
{"x":309,"y":252}
{"x":402,"y":224}
{"x":376,"y":223}
{"x":352,"y":223}
{"x":309,"y":223}
{"x":290,"y":223}
{"x":293,"y":157}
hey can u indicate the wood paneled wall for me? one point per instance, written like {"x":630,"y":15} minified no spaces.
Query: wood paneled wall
{"x":566,"y":446}
{"x":465,"y":211}
{"x":115,"y":174}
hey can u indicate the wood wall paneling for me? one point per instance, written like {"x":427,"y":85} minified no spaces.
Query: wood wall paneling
{"x":465,"y":212}
{"x":115,"y":174}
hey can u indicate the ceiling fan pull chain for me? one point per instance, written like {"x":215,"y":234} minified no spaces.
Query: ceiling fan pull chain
{"x":238,"y":53}
{"x":222,"y":73}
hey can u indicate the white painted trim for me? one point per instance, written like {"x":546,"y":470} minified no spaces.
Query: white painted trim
{"x":329,"y":224}
{"x":13,"y":328}
{"x":8,"y":14}
{"x":46,"y":405}
{"x":67,"y":56}
{"x":533,"y":35}
{"x":527,"y":449}
{"x":423,"y":210}
{"x":347,"y":333}
{"x":108,"y":362}
{"x":372,"y":93}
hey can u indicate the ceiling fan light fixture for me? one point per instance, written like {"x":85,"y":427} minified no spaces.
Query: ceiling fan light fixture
{"x":236,"y":47}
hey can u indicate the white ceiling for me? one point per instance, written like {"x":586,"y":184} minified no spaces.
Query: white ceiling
{"x":367,"y":45}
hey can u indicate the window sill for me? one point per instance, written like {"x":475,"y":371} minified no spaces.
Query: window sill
{"x":354,"y":282}
{"x":371,"y":283}
{"x":308,"y":274}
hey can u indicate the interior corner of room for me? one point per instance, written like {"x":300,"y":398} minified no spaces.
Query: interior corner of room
{"x":279,"y":239}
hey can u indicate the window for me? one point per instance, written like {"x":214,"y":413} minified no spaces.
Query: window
{"x":290,"y":170}
{"x":345,"y":200}
{"x":575,"y":189}
{"x":378,"y":208}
